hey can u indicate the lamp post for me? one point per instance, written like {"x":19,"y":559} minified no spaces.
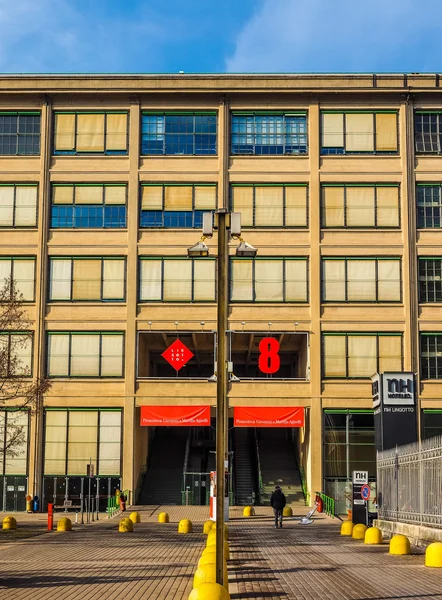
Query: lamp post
{"x":228,"y":225}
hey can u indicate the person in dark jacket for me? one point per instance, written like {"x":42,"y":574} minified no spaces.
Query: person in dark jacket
{"x":277,"y":502}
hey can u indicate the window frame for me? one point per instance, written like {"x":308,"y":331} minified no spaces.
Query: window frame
{"x":100,"y":356}
{"x":425,"y":260}
{"x":177,"y":113}
{"x":284,"y":134}
{"x":283,"y":259}
{"x":24,"y":113}
{"x":30,"y":335}
{"x":88,"y":257}
{"x":346,"y":259}
{"x":423,"y":186}
{"x":8,"y":410}
{"x":193,"y":211}
{"x":438,"y":115}
{"x":76,"y":152}
{"x":346,"y":334}
{"x":428,"y":335}
{"x":103,"y":205}
{"x":345,"y":152}
{"x":14,"y":208}
{"x":357,"y":185}
{"x":183,"y":258}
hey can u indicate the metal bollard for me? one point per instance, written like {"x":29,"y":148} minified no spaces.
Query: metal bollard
{"x":50,"y":517}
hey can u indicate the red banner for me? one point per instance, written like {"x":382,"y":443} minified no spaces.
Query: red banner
{"x":175,"y":416}
{"x":268,"y":416}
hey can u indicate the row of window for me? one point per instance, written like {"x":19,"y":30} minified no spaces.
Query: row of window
{"x":193,"y":133}
{"x":97,"y":206}
{"x":270,"y":279}
{"x":345,"y":355}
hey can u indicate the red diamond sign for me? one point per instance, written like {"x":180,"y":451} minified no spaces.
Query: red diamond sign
{"x":177,"y":355}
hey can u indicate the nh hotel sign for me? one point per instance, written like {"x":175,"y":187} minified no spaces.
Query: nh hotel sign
{"x":394,"y":404}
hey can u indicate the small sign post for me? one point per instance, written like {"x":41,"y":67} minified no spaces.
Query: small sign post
{"x":359,"y":502}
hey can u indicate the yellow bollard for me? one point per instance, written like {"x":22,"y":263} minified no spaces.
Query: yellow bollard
{"x":212,"y":550}
{"x":135,"y":517}
{"x":185,"y":526}
{"x":433,"y":555}
{"x":347,"y":528}
{"x":358,"y":532}
{"x":209,"y":591}
{"x":9,"y":523}
{"x":248,"y":511}
{"x":208,"y":559}
{"x":207,"y":574}
{"x":373,"y":535}
{"x":64,"y":524}
{"x":125,"y":526}
{"x":400,"y":544}
{"x":287,"y":511}
{"x":208,"y":526}
{"x":163,"y":517}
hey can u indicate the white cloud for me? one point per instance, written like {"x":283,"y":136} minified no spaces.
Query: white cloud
{"x":340,"y":35}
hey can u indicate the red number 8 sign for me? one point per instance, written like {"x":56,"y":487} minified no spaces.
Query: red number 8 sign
{"x":269,"y":361}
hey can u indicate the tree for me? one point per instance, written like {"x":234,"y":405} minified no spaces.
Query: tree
{"x":18,"y":388}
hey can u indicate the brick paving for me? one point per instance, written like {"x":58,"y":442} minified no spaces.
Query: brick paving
{"x":294,"y":563}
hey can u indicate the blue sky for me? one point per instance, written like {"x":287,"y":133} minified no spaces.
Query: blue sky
{"x":166,"y":36}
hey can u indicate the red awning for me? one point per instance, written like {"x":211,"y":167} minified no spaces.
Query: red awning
{"x":175,"y":416}
{"x":268,"y":416}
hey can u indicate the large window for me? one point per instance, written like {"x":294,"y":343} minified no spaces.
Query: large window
{"x":18,"y":205}
{"x":14,"y":434}
{"x":16,"y":354}
{"x":361,"y":279}
{"x":90,"y":132}
{"x":431,"y":420}
{"x":20,"y":270}
{"x":87,"y":278}
{"x":431,"y":355}
{"x":270,"y":205}
{"x":84,"y":206}
{"x":269,"y":279}
{"x":76,"y":437}
{"x":274,"y":132}
{"x":359,"y":355}
{"x":177,"y":279}
{"x":430,"y":279}
{"x":19,"y":133}
{"x":175,"y":133}
{"x":85,"y":354}
{"x":428,"y":131}
{"x":429,"y":205}
{"x":176,"y":205}
{"x":360,"y":205}
{"x":359,"y":132}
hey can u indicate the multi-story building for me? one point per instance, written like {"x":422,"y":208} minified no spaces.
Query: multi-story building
{"x":103,"y":183}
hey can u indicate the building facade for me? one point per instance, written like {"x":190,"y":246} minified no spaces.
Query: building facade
{"x":103,"y":184}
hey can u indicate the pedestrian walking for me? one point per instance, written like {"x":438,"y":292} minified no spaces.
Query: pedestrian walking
{"x":277,"y":502}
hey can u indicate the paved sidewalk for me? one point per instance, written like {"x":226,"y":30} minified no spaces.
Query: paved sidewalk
{"x":294,"y":563}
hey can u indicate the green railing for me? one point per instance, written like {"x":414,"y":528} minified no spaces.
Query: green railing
{"x":304,"y":487}
{"x":328,"y":505}
{"x":113,"y":503}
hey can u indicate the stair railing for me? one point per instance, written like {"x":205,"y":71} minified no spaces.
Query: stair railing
{"x":328,"y":504}
{"x":258,"y":467}
{"x":304,"y":486}
{"x":140,"y":483}
{"x":184,"y":491}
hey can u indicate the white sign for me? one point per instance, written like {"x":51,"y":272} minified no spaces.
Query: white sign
{"x":398,"y":389}
{"x":376,"y":389}
{"x":360,"y":477}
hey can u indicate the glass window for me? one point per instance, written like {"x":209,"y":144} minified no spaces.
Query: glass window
{"x":91,"y":132}
{"x":88,"y":354}
{"x":431,"y":423}
{"x":356,"y":356}
{"x":269,"y":279}
{"x":269,"y":133}
{"x":361,"y":205}
{"x":20,"y":133}
{"x":429,"y":206}
{"x":428,"y":132}
{"x":430,"y":279}
{"x":270,"y":205}
{"x":175,"y":205}
{"x":87,"y":278}
{"x":82,"y":206}
{"x":361,"y":280}
{"x":359,"y":132}
{"x":20,"y":270}
{"x":14,"y":435}
{"x":18,"y":205}
{"x":177,"y":280}
{"x":171,"y":134}
{"x":16,"y":354}
{"x":431,"y":355}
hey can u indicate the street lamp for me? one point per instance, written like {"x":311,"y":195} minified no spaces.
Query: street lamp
{"x":227,"y":224}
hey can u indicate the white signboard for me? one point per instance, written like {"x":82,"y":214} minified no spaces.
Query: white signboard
{"x":398,"y":389}
{"x":360,"y":477}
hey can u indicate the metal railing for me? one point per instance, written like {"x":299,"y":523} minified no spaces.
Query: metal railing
{"x":140,"y":483}
{"x":328,"y":504}
{"x":409,"y":483}
{"x":113,"y":503}
{"x":304,"y":486}
{"x":258,"y":465}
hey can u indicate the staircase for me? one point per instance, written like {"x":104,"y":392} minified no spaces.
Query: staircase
{"x":164,"y":476}
{"x":244,"y":468}
{"x":278,"y":466}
